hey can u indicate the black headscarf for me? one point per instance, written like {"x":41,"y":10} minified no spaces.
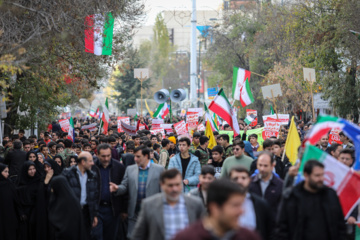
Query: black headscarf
{"x":62,"y":161}
{"x":39,"y":166}
{"x":24,"y":178}
{"x":57,"y":169}
{"x":2,"y":167}
{"x":65,"y":211}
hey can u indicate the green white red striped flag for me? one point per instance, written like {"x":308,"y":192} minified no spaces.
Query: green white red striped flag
{"x":99,"y":34}
{"x":71,"y":132}
{"x":246,"y":96}
{"x":337,"y":176}
{"x":208,"y":117}
{"x":105,"y":117}
{"x":239,"y":77}
{"x":162,"y":111}
{"x":222,"y":107}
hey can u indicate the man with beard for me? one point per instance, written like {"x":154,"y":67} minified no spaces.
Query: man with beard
{"x":265,"y":184}
{"x":164,"y":214}
{"x":311,"y":210}
{"x":324,"y":143}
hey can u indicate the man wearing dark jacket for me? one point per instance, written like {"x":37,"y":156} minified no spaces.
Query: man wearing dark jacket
{"x":110,"y":206}
{"x":257,"y":214}
{"x":15,"y":159}
{"x":311,"y":210}
{"x":84,"y":183}
{"x":265,"y":184}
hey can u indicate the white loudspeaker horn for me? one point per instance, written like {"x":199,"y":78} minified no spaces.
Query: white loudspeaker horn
{"x":178,"y":95}
{"x":161,"y":96}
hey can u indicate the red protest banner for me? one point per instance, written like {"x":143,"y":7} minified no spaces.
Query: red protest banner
{"x":64,"y":124}
{"x":158,"y":130}
{"x":122,"y":119}
{"x":192,"y":121}
{"x":180,"y":128}
{"x":334,"y":136}
{"x":156,"y":122}
{"x":167,"y":127}
{"x":271,"y":127}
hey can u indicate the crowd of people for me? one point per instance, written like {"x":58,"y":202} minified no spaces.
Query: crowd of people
{"x":115,"y":186}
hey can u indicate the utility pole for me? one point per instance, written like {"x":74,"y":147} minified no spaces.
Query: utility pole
{"x":193,"y":66}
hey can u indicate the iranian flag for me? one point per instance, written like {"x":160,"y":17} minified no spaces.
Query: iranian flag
{"x":251,"y":117}
{"x":246,"y":96}
{"x":99,"y":34}
{"x":71,"y":132}
{"x":338,"y":176}
{"x":239,"y":77}
{"x":105,"y":118}
{"x":222,"y":107}
{"x":208,"y":117}
{"x":162,"y":111}
{"x":92,"y":112}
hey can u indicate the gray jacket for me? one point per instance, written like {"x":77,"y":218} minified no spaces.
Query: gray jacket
{"x":130,"y":184}
{"x":150,"y":224}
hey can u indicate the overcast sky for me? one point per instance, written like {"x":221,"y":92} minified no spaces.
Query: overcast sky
{"x":153,"y":7}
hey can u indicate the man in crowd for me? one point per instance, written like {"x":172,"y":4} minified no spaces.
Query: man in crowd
{"x":173,"y":148}
{"x":206,"y":177}
{"x":311,"y":210}
{"x":84,"y":183}
{"x":186,"y":163}
{"x":195,"y":143}
{"x":217,"y":160}
{"x":163,"y":215}
{"x":52,"y":149}
{"x":257,"y":214}
{"x":225,"y":200}
{"x":136,"y":140}
{"x":27,"y":146}
{"x":15,"y":158}
{"x":346,"y":156}
{"x":203,"y":152}
{"x":224,"y":142}
{"x":239,"y":158}
{"x":140,"y":181}
{"x":324,"y":143}
{"x":345,"y":141}
{"x":265,"y":184}
{"x":253,"y":139}
{"x":111,"y":206}
{"x":164,"y":154}
{"x":334,"y":150}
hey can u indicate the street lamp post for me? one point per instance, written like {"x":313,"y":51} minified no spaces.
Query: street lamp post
{"x":141,"y":74}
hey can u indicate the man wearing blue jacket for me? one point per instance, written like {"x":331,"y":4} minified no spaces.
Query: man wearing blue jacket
{"x":188,"y":164}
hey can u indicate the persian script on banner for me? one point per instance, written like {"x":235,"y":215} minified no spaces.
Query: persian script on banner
{"x":334,"y":136}
{"x":64,"y":124}
{"x":180,"y":128}
{"x":158,"y":130}
{"x":167,"y":127}
{"x":156,"y":122}
{"x":192,"y":121}
{"x":122,"y":119}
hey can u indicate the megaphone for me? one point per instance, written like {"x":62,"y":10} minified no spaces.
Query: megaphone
{"x":161,"y":96}
{"x":178,"y":95}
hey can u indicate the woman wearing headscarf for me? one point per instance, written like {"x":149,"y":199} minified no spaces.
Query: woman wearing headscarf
{"x":71,"y":160}
{"x":32,"y":156}
{"x":41,"y":157}
{"x":32,"y":200}
{"x":9,"y":206}
{"x":59,"y":160}
{"x":65,"y":212}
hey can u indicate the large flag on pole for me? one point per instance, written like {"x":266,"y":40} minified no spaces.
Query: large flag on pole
{"x":99,"y":34}
{"x":105,"y":117}
{"x":323,"y":126}
{"x":162,"y":111}
{"x":292,"y":143}
{"x":337,"y":176}
{"x":239,"y":78}
{"x":222,"y":107}
{"x":71,"y":132}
